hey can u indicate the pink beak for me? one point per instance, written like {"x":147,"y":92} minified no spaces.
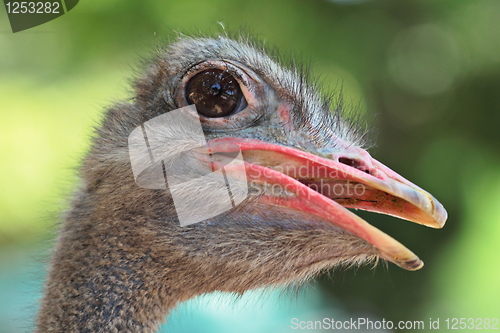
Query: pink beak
{"x":326,"y":187}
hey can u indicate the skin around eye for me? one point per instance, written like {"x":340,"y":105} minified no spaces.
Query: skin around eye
{"x":207,"y":84}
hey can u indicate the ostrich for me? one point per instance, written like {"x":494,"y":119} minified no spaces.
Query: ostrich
{"x":122,"y":261}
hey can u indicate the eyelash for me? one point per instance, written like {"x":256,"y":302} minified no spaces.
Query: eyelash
{"x":198,"y":67}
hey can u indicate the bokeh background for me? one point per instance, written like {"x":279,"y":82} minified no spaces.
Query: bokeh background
{"x":426,"y":73}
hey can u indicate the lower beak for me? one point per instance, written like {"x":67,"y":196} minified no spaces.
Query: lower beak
{"x":326,"y":187}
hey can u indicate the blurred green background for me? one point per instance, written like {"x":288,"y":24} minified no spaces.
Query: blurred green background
{"x":426,"y":73}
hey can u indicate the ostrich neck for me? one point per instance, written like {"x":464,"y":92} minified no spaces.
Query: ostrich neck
{"x":104,"y":278}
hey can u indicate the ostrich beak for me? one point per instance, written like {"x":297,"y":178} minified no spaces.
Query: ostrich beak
{"x":326,"y":187}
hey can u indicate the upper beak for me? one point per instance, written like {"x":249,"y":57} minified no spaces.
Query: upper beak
{"x":326,"y":187}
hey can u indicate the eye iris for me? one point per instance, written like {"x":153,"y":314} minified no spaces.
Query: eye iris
{"x":215,"y":93}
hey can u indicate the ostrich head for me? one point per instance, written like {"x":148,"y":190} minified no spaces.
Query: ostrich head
{"x":123,"y":260}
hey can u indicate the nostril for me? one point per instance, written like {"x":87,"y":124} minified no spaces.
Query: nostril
{"x":350,"y":162}
{"x":354,"y":164}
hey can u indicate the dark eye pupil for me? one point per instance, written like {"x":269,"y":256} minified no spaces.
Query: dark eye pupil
{"x":215,"y":93}
{"x":215,"y":89}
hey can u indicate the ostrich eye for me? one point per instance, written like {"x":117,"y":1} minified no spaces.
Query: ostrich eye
{"x":216,"y":93}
